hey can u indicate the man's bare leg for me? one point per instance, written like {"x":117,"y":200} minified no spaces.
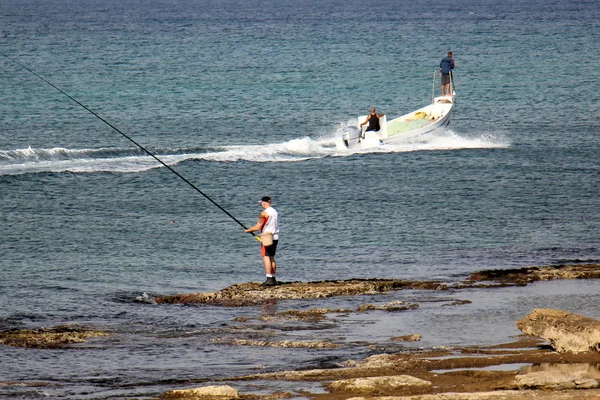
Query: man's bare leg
{"x":270,"y":266}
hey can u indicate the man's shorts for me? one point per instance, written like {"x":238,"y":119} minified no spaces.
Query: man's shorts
{"x":269,"y":251}
{"x":445,"y":79}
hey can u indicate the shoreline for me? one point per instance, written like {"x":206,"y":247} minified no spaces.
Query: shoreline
{"x":426,"y":373}
{"x":458,"y":373}
{"x":253,"y":293}
{"x":470,"y":372}
{"x":473,"y":372}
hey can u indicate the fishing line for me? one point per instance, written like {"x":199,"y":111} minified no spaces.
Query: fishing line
{"x":132,"y":141}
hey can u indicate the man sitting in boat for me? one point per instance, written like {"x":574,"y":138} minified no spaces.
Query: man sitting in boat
{"x":373,"y":121}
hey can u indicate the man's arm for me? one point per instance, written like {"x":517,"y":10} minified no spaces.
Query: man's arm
{"x":366,"y":120}
{"x":259,"y":224}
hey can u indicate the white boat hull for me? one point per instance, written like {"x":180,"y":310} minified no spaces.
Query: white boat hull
{"x":424,"y":120}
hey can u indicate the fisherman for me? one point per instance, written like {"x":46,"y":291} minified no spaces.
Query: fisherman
{"x":268,"y":222}
{"x":446,"y":67}
{"x":373,"y":121}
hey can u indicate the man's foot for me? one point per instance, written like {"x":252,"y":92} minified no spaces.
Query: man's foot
{"x":269,"y":282}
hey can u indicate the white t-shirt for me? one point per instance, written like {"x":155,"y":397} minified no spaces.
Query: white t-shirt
{"x":272,"y":223}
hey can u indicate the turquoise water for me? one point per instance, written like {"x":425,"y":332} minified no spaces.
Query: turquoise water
{"x":245,"y":99}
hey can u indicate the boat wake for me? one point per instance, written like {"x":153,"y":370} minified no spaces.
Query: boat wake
{"x":443,"y":140}
{"x":127,"y":160}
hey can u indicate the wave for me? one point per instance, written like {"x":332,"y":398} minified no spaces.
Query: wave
{"x":127,"y":160}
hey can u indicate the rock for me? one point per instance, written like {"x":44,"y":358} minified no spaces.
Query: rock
{"x":531,"y":274}
{"x":457,"y":303}
{"x":203,"y":393}
{"x":415,"y":337}
{"x":310,"y":315}
{"x":283,"y":344}
{"x":565,"y":331}
{"x":391,"y":306}
{"x":252,"y":293}
{"x":379,"y":361}
{"x":376,"y":385}
{"x":49,"y":338}
{"x":306,"y":375}
{"x":556,"y":380}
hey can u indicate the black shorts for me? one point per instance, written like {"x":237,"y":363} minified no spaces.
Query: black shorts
{"x":269,"y":251}
{"x":445,"y":79}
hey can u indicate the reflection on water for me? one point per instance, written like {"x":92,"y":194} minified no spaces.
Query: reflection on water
{"x":525,"y":368}
{"x":498,"y":367}
{"x":592,"y":369}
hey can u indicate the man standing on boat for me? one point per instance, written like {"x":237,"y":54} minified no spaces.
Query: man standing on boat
{"x":373,"y":121}
{"x":268,"y":223}
{"x":446,"y":67}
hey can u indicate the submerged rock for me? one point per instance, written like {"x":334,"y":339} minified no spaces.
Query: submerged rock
{"x":392,"y":306}
{"x":284,"y":344}
{"x":310,"y":315}
{"x":457,"y":303}
{"x":565,"y":331}
{"x":252,"y":293}
{"x":48,"y":338}
{"x":415,"y":337}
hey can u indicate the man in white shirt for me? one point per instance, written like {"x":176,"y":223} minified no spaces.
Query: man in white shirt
{"x":268,"y":222}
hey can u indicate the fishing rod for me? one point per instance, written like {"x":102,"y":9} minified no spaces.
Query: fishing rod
{"x":134,"y":142}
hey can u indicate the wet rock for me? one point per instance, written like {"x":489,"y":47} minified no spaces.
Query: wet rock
{"x":379,"y":361}
{"x":392,"y":306}
{"x":556,"y":380}
{"x":531,"y":274}
{"x":203,"y":393}
{"x":415,"y":337}
{"x":25,"y":384}
{"x":48,"y":338}
{"x":311,"y":315}
{"x":296,"y":376}
{"x":252,"y":293}
{"x":284,"y":344}
{"x":457,"y":303}
{"x":565,"y":331}
{"x":377,"y":385}
{"x":376,"y":361}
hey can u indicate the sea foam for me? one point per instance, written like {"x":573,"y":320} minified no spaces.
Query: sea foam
{"x":128,"y":160}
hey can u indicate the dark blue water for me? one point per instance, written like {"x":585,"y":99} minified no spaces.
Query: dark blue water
{"x":245,"y":99}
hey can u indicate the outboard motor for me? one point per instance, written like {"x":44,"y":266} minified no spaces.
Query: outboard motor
{"x":351,"y":133}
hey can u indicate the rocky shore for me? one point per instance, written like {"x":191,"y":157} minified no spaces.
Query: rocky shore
{"x":252,"y":293}
{"x":527,"y":369}
{"x":540,"y":366}
{"x":556,"y":358}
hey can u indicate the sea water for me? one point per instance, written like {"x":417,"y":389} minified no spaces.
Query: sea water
{"x":245,"y":99}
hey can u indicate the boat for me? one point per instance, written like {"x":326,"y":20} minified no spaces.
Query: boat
{"x":424,"y":120}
